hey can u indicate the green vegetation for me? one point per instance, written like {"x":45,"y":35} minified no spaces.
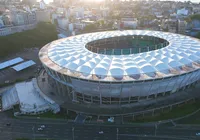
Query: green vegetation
{"x":22,"y":139}
{"x":196,"y":16}
{"x":191,"y":120}
{"x":192,"y":17}
{"x":30,"y":139}
{"x":50,"y":115}
{"x":98,"y":26}
{"x":38,"y":37}
{"x":198,"y":36}
{"x":174,"y":113}
{"x":90,"y":27}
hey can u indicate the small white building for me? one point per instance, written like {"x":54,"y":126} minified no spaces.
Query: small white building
{"x":77,"y":12}
{"x":1,"y":22}
{"x":42,"y":5}
{"x":63,"y":23}
{"x":19,"y":19}
{"x":71,"y":27}
{"x":105,"y":12}
{"x":79,"y":26}
{"x":129,"y":22}
{"x":182,"y":12}
{"x":181,"y":26}
{"x":60,"y":10}
{"x":53,"y":17}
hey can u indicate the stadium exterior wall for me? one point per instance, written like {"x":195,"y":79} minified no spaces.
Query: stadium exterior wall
{"x":122,"y":92}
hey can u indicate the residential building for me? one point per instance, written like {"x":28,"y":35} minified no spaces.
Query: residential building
{"x":6,"y":20}
{"x":31,"y":18}
{"x":63,"y":22}
{"x":183,"y":12}
{"x":54,"y":17}
{"x":77,"y":12}
{"x":43,"y":15}
{"x":181,"y":26}
{"x":129,"y":23}
{"x":1,"y":22}
{"x":172,"y":25}
{"x":79,"y":26}
{"x":19,"y":17}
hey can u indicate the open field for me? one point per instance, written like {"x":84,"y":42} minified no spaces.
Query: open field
{"x":38,"y":37}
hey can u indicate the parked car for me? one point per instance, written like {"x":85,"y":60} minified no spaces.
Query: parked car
{"x":198,"y":134}
{"x":100,"y":132}
{"x":8,"y":124}
{"x":40,"y":129}
{"x":7,"y":81}
{"x":42,"y":126}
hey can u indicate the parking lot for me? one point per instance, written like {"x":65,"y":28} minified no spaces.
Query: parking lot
{"x":8,"y":75}
{"x":6,"y":72}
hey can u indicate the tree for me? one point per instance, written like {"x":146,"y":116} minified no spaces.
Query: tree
{"x":90,"y":27}
{"x":196,"y":16}
{"x":198,"y":36}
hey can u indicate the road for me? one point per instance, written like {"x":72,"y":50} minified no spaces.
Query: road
{"x":64,"y":131}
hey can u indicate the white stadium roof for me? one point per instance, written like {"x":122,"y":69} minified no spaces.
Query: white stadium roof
{"x":23,"y":65}
{"x":70,"y":56}
{"x":10,"y":62}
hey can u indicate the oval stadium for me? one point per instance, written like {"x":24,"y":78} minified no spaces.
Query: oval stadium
{"x":120,"y":72}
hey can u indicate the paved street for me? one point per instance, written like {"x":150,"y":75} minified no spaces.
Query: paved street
{"x":64,"y":131}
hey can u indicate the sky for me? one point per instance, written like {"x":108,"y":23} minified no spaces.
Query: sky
{"x":47,"y":1}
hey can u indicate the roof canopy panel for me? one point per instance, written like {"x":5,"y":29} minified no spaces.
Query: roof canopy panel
{"x":71,"y":54}
{"x":24,"y":65}
{"x":10,"y":62}
{"x":148,"y":68}
{"x":132,"y":71}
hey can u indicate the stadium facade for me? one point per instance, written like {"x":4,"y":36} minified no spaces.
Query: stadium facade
{"x":119,"y":68}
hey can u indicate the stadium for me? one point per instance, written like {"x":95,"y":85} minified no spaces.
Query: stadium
{"x":118,"y":72}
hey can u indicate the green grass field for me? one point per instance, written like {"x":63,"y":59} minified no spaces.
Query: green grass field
{"x":38,"y":37}
{"x":133,"y":46}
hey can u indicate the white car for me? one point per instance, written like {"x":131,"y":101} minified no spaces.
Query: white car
{"x":198,"y":134}
{"x":40,"y":129}
{"x":42,"y":126}
{"x":7,"y":81}
{"x":100,"y":132}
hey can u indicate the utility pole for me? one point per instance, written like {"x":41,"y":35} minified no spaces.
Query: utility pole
{"x":72,"y":133}
{"x":155,"y":128}
{"x":173,"y":123}
{"x":33,"y":129}
{"x":117,"y":133}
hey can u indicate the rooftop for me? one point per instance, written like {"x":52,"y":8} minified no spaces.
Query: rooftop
{"x":70,"y":56}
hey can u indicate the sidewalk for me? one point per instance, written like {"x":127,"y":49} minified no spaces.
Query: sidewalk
{"x":113,"y":124}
